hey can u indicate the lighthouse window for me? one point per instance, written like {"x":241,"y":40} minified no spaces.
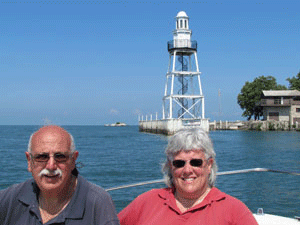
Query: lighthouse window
{"x":185,"y":24}
{"x":180,"y":23}
{"x":177,"y":24}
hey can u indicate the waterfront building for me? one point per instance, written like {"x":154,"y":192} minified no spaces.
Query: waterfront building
{"x":281,"y":105}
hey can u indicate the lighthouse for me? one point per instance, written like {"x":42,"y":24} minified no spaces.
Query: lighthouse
{"x":183,"y":97}
{"x":183,"y":100}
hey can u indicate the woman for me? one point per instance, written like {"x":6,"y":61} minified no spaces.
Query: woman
{"x":191,"y":198}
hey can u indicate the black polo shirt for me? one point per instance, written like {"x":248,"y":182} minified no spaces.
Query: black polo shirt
{"x":90,"y":205}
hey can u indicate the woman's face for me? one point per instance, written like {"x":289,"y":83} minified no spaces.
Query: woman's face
{"x":191,"y":181}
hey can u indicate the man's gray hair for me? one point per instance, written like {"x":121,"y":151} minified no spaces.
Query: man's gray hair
{"x":188,"y":140}
{"x":72,"y":145}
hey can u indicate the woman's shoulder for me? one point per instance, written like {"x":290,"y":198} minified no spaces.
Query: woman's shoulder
{"x":238,"y":209}
{"x":145,"y":201}
{"x":228,"y":200}
{"x":153,"y":195}
{"x":155,"y":192}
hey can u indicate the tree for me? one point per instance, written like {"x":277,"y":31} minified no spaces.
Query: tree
{"x":294,"y":82}
{"x":251,"y":93}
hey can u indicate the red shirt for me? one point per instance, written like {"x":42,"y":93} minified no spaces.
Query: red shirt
{"x":158,"y":207}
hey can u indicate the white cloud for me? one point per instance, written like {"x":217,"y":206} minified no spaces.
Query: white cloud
{"x":113,"y":111}
{"x":137,"y":112}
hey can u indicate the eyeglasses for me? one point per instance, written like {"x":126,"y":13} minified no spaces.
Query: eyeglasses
{"x":193,"y":162}
{"x":44,"y":157}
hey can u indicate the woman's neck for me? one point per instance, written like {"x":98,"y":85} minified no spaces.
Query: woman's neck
{"x":185,"y":204}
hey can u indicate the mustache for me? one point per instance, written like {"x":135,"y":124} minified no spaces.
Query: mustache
{"x":51,"y":172}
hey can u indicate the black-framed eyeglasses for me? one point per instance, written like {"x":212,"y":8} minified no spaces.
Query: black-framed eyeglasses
{"x":44,"y":157}
{"x":193,"y":162}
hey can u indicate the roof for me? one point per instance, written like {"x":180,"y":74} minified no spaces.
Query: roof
{"x":281,"y":93}
{"x":181,"y":14}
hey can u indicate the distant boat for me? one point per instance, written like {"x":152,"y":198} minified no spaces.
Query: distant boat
{"x":117,"y":124}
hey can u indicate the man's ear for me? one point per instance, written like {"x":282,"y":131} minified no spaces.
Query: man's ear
{"x":28,"y":161}
{"x":75,"y":155}
{"x":74,"y":158}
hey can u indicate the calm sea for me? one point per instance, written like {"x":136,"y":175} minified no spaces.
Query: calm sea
{"x":113,"y":156}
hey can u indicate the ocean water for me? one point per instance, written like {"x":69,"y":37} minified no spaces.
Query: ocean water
{"x":113,"y":156}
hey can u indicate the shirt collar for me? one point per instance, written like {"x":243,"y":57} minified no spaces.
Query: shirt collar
{"x":28,"y":194}
{"x":76,"y":207}
{"x":74,"y":210}
{"x":214,"y":195}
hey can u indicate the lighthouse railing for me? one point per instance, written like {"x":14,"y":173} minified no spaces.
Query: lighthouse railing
{"x":182,"y":43}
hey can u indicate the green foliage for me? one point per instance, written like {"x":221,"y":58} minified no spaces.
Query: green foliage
{"x":258,"y":128}
{"x":251,"y":93}
{"x":294,"y":82}
{"x":271,"y":126}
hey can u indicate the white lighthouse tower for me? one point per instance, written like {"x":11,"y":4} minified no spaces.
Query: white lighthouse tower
{"x":183,"y":97}
{"x":183,"y":101}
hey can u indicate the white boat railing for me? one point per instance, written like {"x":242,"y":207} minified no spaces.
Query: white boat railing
{"x":218,"y":174}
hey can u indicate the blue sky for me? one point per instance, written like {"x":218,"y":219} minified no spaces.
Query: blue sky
{"x":98,"y":62}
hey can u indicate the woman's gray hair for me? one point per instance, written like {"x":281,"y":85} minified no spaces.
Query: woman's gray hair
{"x":188,"y":140}
{"x":72,"y":145}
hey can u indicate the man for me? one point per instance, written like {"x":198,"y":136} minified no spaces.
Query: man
{"x":56,"y":194}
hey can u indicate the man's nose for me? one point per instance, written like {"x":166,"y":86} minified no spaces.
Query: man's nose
{"x":51,"y":163}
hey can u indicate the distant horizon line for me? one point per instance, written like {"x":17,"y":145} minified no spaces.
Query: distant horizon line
{"x":60,"y":125}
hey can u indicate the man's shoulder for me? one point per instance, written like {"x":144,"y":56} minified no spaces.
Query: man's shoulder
{"x":13,"y":191}
{"x":15,"y":188}
{"x":92,"y":189}
{"x":89,"y":185}
{"x":98,"y":204}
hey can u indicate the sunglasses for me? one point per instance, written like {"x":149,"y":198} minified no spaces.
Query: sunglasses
{"x":193,"y":162}
{"x":44,"y":157}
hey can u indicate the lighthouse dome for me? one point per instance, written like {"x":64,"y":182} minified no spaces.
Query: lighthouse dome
{"x":181,"y":14}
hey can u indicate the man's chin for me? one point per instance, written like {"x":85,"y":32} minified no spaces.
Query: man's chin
{"x":51,"y":179}
{"x":49,"y":183}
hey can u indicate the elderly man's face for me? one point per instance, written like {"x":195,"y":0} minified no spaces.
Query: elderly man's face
{"x":50,"y":160}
